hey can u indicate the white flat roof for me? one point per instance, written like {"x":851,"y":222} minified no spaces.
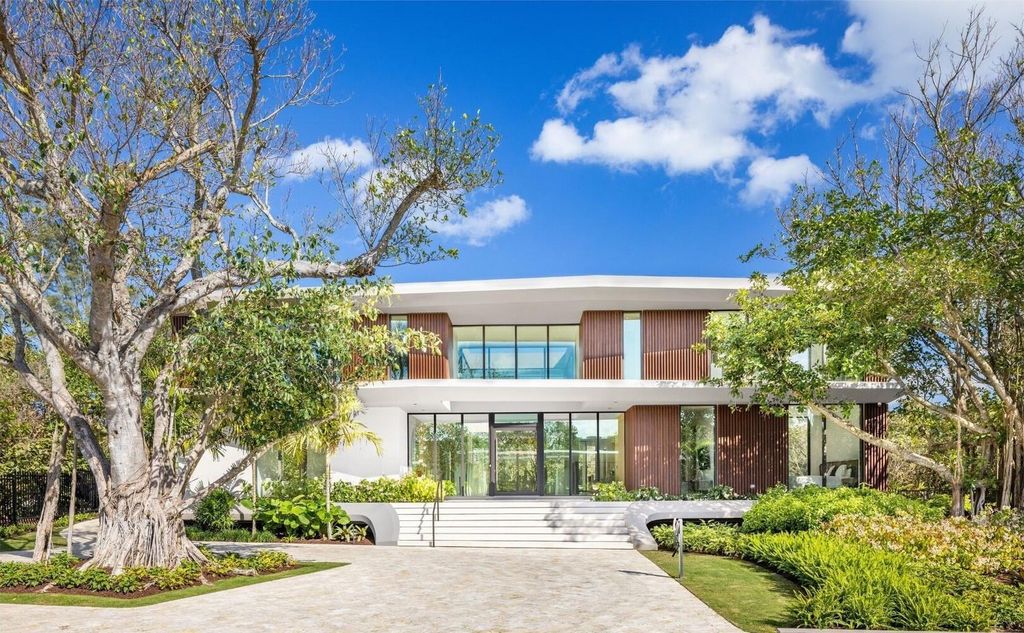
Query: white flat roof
{"x":563,"y":299}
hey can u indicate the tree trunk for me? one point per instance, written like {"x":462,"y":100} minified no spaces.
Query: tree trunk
{"x":1006,"y":477}
{"x":140,"y":527}
{"x":327,"y":497}
{"x":957,"y":506}
{"x":71,"y":501}
{"x":44,"y":528}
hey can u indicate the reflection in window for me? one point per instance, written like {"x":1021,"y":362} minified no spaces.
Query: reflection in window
{"x":509,"y":351}
{"x":697,"y":448}
{"x":468,"y":349}
{"x":823,"y":453}
{"x":584,"y":452}
{"x":531,"y":351}
{"x":563,"y":341}
{"x":477,"y":454}
{"x":399,"y":323}
{"x":556,"y":454}
{"x":611,"y":453}
{"x":632,"y":345}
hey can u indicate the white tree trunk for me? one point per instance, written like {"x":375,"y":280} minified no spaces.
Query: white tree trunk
{"x":44,"y":528}
{"x":71,"y":501}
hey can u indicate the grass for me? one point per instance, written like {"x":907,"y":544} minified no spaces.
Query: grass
{"x":75,"y":600}
{"x":751,"y":597}
{"x":27,"y":540}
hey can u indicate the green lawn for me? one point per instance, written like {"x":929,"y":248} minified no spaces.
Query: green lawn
{"x":70,"y":600}
{"x":749,"y":596}
{"x":27,"y":540}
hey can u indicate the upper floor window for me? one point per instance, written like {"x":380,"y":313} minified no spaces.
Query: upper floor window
{"x":515,"y":351}
{"x":632,"y":345}
{"x":399,"y":323}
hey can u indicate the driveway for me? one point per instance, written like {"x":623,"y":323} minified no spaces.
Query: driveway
{"x":419,"y":589}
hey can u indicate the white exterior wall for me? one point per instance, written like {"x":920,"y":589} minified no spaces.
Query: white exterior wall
{"x":211,"y":467}
{"x":362,"y":461}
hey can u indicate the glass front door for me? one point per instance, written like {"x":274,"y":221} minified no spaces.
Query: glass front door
{"x":514,"y":450}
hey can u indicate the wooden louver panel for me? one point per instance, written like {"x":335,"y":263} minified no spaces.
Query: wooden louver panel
{"x":423,"y":363}
{"x":876,"y":460}
{"x":652,"y":447}
{"x":601,"y":340}
{"x":668,"y":339}
{"x":752,"y":449}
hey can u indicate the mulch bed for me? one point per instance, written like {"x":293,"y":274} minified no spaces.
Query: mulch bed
{"x":149,"y":591}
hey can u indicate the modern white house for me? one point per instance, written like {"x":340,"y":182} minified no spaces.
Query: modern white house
{"x":547,"y":386}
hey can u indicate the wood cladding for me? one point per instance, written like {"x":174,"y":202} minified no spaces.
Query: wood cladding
{"x":876,"y":461}
{"x":424,"y":364}
{"x":668,"y":339}
{"x":652,"y":447}
{"x":601,"y":340}
{"x":753,"y":449}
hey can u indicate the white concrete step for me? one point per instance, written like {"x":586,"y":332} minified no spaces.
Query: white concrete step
{"x":508,"y":510}
{"x":519,"y":536}
{"x":521,"y":544}
{"x":504,"y":529}
{"x":568,"y":522}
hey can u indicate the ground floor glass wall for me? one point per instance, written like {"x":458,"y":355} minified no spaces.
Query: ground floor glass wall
{"x":697,"y":448}
{"x":823,"y":453}
{"x":519,"y":453}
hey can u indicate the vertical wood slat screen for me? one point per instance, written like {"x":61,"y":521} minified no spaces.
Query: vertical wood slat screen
{"x":668,"y":338}
{"x":423,"y":364}
{"x":753,"y":449}
{"x":601,"y":340}
{"x":876,"y":460}
{"x":652,"y":447}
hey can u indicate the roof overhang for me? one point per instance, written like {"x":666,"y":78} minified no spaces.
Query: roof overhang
{"x":562,"y":299}
{"x":469,"y":396}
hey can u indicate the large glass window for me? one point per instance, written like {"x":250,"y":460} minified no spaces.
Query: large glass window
{"x":697,"y":448}
{"x":477,"y":433}
{"x":556,"y":454}
{"x":611,"y":453}
{"x":449,"y":442}
{"x":823,"y":453}
{"x":584,"y":452}
{"x":468,"y":351}
{"x":510,"y":351}
{"x":632,"y":346}
{"x":400,"y":323}
{"x":563,"y":343}
{"x":531,"y":351}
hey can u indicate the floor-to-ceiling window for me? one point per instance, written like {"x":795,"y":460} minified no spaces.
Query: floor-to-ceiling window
{"x":632,"y":346}
{"x":516,"y":351}
{"x":822,"y":452}
{"x":399,"y":323}
{"x":697,"y":448}
{"x":518,"y":453}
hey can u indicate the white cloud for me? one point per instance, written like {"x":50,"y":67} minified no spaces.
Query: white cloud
{"x":772,"y":179}
{"x":306,"y":162}
{"x":486,"y":221}
{"x":713,"y":107}
{"x":696,"y":112}
{"x":892,"y":36}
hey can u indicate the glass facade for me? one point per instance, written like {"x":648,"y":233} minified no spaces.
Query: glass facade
{"x":399,"y":323}
{"x":518,"y":453}
{"x":696,"y":448}
{"x":516,"y":351}
{"x":821,"y":453}
{"x":632,"y":346}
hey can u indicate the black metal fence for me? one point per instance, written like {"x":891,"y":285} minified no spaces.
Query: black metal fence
{"x":21,"y":495}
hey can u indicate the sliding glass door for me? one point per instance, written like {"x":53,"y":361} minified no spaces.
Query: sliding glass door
{"x":515,"y":451}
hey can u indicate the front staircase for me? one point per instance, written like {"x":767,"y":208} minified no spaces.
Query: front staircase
{"x":516,"y":523}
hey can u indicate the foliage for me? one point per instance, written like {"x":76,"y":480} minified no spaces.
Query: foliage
{"x":992,"y":550}
{"x":806,"y":508}
{"x":234,"y":535}
{"x":213,"y":512}
{"x":408,"y":488}
{"x":664,"y":535}
{"x":299,"y":517}
{"x":352,"y":532}
{"x":616,"y":491}
{"x":62,"y":570}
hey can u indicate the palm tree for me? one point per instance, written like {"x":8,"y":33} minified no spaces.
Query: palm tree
{"x":339,"y":430}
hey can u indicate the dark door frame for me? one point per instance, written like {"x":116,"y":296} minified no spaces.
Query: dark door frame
{"x":538,"y":430}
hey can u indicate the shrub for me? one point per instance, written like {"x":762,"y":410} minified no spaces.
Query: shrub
{"x":213,"y":512}
{"x":989,"y":549}
{"x":408,"y":488}
{"x":299,"y":517}
{"x":235,"y":535}
{"x":616,"y":491}
{"x":308,"y":487}
{"x":664,"y":535}
{"x":782,"y":510}
{"x":711,"y":538}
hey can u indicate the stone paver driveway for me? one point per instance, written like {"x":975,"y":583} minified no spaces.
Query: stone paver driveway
{"x":411,"y":589}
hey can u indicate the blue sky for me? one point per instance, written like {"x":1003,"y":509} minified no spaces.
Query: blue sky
{"x":636,"y":138}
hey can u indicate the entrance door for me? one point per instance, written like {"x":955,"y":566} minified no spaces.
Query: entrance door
{"x":514,"y":454}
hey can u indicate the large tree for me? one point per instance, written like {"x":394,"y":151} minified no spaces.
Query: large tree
{"x":908,"y":268}
{"x":139,"y":142}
